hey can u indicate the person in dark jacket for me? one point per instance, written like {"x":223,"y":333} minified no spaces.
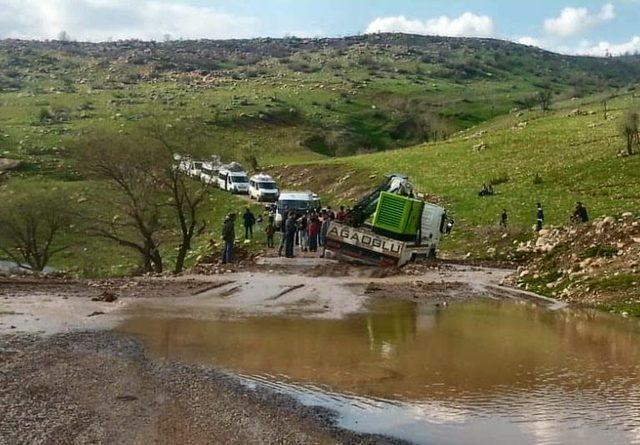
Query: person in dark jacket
{"x":303,"y":234}
{"x":504,"y":219}
{"x":324,"y":230}
{"x":290,"y":230}
{"x":580,"y":214}
{"x":229,"y":237}
{"x":249,"y":221}
{"x":539,"y":217}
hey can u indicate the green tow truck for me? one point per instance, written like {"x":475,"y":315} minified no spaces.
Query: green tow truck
{"x":389,"y":227}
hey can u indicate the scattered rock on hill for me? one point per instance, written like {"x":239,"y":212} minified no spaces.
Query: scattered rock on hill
{"x":8,"y":165}
{"x":591,"y":263}
{"x":480,"y":146}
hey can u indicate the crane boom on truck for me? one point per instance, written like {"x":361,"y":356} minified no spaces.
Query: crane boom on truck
{"x":402,"y":228}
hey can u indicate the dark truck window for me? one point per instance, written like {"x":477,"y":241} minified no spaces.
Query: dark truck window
{"x":267,"y":185}
{"x":239,"y":179}
{"x":284,"y":206}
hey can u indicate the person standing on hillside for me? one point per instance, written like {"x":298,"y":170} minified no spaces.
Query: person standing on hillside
{"x":539,"y":217}
{"x":580,"y":214}
{"x":229,"y":237}
{"x":504,"y":219}
{"x":249,"y":221}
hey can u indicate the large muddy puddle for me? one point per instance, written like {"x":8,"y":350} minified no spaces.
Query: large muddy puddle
{"x":483,"y":372}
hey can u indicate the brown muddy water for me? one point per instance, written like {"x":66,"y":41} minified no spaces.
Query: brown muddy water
{"x":483,"y":372}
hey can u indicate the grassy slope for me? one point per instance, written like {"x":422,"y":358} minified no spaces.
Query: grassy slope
{"x":574,"y":156}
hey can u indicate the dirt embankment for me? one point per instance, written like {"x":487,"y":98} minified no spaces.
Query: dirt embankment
{"x":597,"y":263}
{"x":340,"y":182}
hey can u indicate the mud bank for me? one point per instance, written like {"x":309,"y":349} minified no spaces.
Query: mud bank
{"x":309,"y":288}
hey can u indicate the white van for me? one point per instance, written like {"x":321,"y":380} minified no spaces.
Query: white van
{"x":233,"y":181}
{"x":263,"y":188}
{"x":297,"y":202}
{"x":194,"y":169}
{"x":209,"y":173}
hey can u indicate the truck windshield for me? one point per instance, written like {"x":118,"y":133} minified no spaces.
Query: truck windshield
{"x":291,"y":204}
{"x":239,"y":179}
{"x":267,"y":185}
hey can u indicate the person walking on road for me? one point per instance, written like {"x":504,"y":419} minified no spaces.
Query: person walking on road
{"x":290,"y":234}
{"x":504,"y":219}
{"x":249,"y":221}
{"x":229,"y":237}
{"x":539,"y":217}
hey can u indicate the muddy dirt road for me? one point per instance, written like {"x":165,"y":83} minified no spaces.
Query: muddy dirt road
{"x":66,"y":376}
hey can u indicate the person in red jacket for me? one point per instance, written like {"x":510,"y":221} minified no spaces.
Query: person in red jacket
{"x":314,"y":231}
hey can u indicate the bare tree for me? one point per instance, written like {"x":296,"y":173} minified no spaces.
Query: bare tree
{"x":149,"y":193}
{"x":630,"y":130}
{"x":187,"y":195}
{"x":31,"y":225}
{"x":133,"y":214}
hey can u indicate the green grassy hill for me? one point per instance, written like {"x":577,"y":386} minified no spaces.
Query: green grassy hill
{"x":312,"y":104}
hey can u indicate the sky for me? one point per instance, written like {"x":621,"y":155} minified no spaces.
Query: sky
{"x":567,"y":26}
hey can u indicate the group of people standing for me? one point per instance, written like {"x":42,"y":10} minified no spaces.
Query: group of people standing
{"x":307,"y":231}
{"x":580,"y":215}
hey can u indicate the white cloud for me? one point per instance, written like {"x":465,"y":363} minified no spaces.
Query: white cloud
{"x":96,"y":20}
{"x":584,"y":47}
{"x":606,"y":48}
{"x":574,"y":21}
{"x":530,"y":41}
{"x":465,"y":25}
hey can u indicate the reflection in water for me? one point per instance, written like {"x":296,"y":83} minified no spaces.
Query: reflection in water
{"x":481,"y":372}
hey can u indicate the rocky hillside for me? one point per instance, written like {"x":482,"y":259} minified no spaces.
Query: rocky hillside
{"x":596,"y":263}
